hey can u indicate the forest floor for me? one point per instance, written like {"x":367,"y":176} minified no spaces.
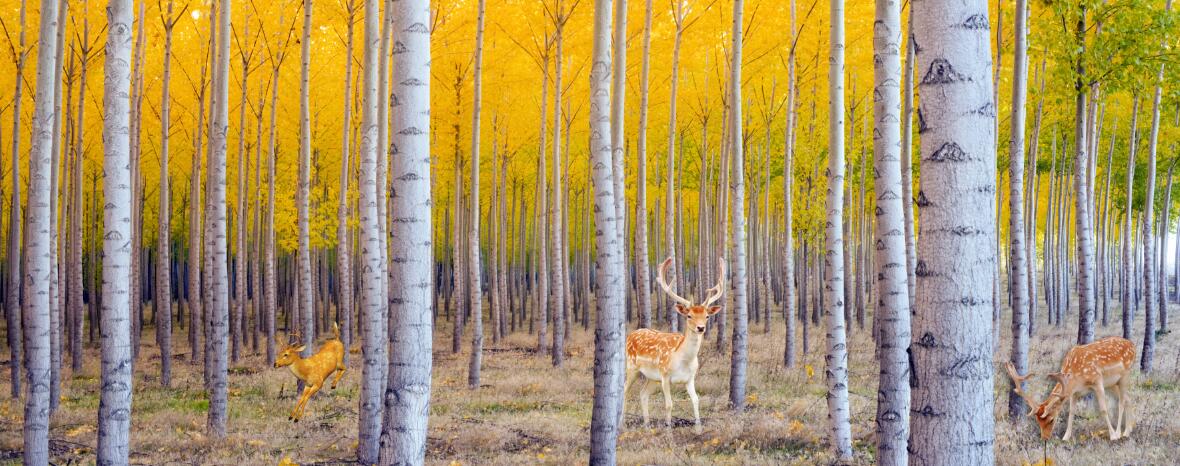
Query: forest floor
{"x":527,"y":412}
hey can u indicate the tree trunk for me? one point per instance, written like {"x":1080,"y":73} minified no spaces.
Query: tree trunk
{"x":609,"y":327}
{"x":55,"y":288}
{"x":474,"y":288}
{"x":789,"y":307}
{"x":1161,"y":272}
{"x":163,"y":298}
{"x":240,"y":214}
{"x":407,"y":398}
{"x":892,"y":313}
{"x":1149,"y":252}
{"x":1083,"y":230}
{"x":14,"y":277}
{"x":343,"y":265}
{"x":114,"y":419}
{"x":907,"y":157}
{"x":553,"y":212}
{"x":216,"y":230}
{"x":373,"y":325}
{"x":836,"y":365}
{"x":1018,"y":277}
{"x":642,"y":268}
{"x":618,"y":143}
{"x":952,"y":375}
{"x":305,"y":301}
{"x":194,"y":296}
{"x":669,"y":181}
{"x":37,"y":266}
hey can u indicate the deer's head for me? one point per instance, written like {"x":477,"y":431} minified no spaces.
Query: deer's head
{"x":289,"y":352}
{"x":1043,"y":412}
{"x":696,"y":315}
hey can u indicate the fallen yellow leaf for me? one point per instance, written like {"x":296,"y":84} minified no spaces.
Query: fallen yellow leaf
{"x":286,"y":461}
{"x":255,"y":443}
{"x":79,"y":430}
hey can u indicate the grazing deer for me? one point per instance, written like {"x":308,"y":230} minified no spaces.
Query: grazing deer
{"x":313,"y":370}
{"x":1104,"y":363}
{"x":671,"y":357}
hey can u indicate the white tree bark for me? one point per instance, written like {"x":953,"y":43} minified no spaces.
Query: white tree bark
{"x":609,"y":323}
{"x":218,"y":252}
{"x":618,"y":142}
{"x":114,"y":410}
{"x":642,"y":268}
{"x":740,"y":341}
{"x":343,"y":241}
{"x":407,"y":396}
{"x":907,"y":157}
{"x":13,"y":279}
{"x":37,"y":248}
{"x":163,"y":288}
{"x":553,"y":211}
{"x":788,"y":271}
{"x":836,"y":361}
{"x":1128,"y":297}
{"x":892,"y":312}
{"x":669,"y":174}
{"x":1017,"y":268}
{"x":1149,"y":253}
{"x":474,"y":288}
{"x":305,"y":301}
{"x":952,"y":417}
{"x":373,"y":314}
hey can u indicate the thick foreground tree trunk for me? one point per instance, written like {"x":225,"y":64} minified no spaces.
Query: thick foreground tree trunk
{"x":952,"y":417}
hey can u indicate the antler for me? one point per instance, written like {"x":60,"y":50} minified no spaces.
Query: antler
{"x":664,"y":283}
{"x":293,"y":337}
{"x":1018,"y":380}
{"x":714,"y":293}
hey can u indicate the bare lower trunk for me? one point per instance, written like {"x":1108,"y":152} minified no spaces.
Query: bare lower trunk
{"x":1018,"y":278}
{"x":610,"y":326}
{"x":114,"y":420}
{"x":892,"y":312}
{"x":373,"y":314}
{"x":953,"y":409}
{"x":407,"y":396}
{"x":218,"y":252}
{"x":836,"y":365}
{"x":474,"y":288}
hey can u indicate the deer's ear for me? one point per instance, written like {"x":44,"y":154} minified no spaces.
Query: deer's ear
{"x":299,"y":349}
{"x":682,"y":310}
{"x":714,"y":309}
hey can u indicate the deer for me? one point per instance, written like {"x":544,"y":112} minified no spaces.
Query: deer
{"x":313,"y":370}
{"x":671,"y":357}
{"x":1106,"y":363}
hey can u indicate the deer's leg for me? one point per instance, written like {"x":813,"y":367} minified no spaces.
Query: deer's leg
{"x":339,"y":374}
{"x":302,"y":399}
{"x":666,"y":384}
{"x":644,"y":393}
{"x":631,"y":374}
{"x":1124,"y":392}
{"x":1069,"y":421}
{"x":307,"y":393}
{"x":691,"y":387}
{"x":1118,"y":416}
{"x":1100,"y":393}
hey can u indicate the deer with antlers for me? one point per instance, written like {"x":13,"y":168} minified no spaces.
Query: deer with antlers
{"x":671,"y":357}
{"x":1106,"y":363}
{"x":313,"y":370}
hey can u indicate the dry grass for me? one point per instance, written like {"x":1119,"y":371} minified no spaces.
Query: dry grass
{"x":528,"y":412}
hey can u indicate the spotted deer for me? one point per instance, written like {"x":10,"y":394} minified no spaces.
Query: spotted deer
{"x":671,"y":357}
{"x":1095,"y":366}
{"x":313,"y":370}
